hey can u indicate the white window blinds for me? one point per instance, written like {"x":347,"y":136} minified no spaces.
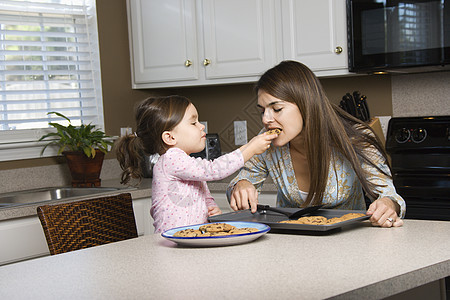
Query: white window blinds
{"x":49,"y":61}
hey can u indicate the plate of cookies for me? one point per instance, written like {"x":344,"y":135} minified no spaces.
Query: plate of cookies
{"x":216,"y":234}
{"x":321,"y":220}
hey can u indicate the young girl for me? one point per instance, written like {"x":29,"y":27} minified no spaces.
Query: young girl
{"x":169,"y":126}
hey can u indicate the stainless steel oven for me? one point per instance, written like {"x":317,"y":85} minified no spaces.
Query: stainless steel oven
{"x":419,"y":148}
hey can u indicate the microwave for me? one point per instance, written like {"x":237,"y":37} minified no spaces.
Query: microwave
{"x":398,"y":36}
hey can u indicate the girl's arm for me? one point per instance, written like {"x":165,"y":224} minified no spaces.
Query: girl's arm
{"x":180,"y":165}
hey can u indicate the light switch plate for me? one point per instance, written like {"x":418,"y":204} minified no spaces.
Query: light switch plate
{"x":240,"y":133}
{"x":205,"y":123}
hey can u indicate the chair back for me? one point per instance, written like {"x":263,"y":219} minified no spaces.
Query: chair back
{"x":87,"y":223}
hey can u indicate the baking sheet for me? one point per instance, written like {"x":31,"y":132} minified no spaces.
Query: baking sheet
{"x":272,"y":219}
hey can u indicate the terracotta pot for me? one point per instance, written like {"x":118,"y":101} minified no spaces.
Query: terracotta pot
{"x":85,"y":170}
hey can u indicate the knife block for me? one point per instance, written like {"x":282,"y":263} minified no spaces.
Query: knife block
{"x":375,"y":124}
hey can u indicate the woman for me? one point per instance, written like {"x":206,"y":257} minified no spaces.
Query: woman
{"x":322,"y":154}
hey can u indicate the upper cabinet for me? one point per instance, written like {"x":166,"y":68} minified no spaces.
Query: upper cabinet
{"x":177,"y":43}
{"x":193,"y":42}
{"x":315,"y":33}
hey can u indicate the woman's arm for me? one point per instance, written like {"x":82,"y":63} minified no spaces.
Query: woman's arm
{"x":389,"y":205}
{"x":242,"y":192}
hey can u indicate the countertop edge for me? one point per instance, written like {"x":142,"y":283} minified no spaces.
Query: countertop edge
{"x":399,"y":283}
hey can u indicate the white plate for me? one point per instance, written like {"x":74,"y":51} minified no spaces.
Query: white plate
{"x":225,"y":240}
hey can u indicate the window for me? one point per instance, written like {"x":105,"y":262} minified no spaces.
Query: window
{"x":49,"y":61}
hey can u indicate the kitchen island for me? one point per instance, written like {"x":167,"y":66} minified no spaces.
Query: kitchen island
{"x":359,"y":262}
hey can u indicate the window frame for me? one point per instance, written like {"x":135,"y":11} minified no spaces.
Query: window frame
{"x":23,"y":143}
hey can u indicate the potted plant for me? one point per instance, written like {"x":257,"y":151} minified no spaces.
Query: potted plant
{"x":84,"y":148}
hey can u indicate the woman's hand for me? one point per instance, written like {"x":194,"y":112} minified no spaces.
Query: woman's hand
{"x":214,"y":210}
{"x":383,"y":213}
{"x":244,"y":196}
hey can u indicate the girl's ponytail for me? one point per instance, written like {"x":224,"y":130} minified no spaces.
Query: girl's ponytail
{"x":129,"y":152}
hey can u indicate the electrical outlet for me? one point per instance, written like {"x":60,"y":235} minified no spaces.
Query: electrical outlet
{"x":206,"y":126}
{"x":126,"y":131}
{"x":384,"y":121}
{"x":240,"y":133}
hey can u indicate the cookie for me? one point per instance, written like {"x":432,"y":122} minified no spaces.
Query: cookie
{"x":319,"y":220}
{"x":243,"y":230}
{"x":216,"y":227}
{"x":275,"y":130}
{"x":187,"y":233}
{"x":352,"y":216}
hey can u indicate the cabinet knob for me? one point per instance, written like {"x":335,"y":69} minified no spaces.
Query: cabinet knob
{"x":188,"y":63}
{"x":338,"y":50}
{"x":206,"y":62}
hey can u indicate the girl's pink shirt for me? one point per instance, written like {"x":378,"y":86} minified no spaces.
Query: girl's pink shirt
{"x":180,"y":195}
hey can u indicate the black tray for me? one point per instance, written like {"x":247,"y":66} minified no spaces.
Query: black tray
{"x":272,"y":219}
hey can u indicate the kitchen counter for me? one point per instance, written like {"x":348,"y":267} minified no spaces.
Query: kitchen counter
{"x":359,"y":262}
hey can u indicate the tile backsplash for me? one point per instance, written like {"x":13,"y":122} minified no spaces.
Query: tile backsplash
{"x":426,"y":94}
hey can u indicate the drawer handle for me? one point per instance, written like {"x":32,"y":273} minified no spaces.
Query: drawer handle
{"x":338,"y":50}
{"x":188,"y":63}
{"x":206,"y":62}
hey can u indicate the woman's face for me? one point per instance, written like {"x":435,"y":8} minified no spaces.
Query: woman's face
{"x":280,"y":114}
{"x":189,"y":134}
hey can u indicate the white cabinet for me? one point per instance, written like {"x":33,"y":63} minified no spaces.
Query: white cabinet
{"x":315,"y":33}
{"x":23,"y":238}
{"x":144,"y":222}
{"x":199,"y":42}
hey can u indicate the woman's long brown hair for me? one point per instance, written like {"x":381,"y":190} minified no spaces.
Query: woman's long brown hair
{"x":327,"y":128}
{"x":153,"y":116}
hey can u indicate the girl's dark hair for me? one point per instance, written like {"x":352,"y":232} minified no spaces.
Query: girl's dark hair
{"x":327,"y":127}
{"x":154,"y":115}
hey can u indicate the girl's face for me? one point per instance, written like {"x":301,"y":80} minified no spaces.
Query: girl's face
{"x":188,"y":135}
{"x":280,"y":114}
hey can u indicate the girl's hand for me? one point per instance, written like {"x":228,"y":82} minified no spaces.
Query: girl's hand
{"x":244,"y":196}
{"x":383,"y":213}
{"x":257,"y":145}
{"x":214,"y":210}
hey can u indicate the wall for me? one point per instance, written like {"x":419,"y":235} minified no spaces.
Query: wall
{"x":221,"y":105}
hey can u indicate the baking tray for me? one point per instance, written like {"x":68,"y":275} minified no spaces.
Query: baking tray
{"x":272,"y":219}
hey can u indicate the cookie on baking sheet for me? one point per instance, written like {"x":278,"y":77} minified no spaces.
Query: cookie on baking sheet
{"x":187,"y":233}
{"x":351,"y":216}
{"x":216,"y":227}
{"x":334,"y":220}
{"x":312,"y":220}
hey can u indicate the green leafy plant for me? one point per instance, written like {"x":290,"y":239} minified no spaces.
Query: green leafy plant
{"x":85,"y":138}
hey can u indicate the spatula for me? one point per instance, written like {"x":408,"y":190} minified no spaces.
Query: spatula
{"x":295,"y":215}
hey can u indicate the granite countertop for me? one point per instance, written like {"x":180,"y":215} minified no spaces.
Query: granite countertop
{"x":143,"y":190}
{"x":360,"y":262}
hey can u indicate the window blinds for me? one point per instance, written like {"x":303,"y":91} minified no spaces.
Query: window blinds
{"x":49,"y":61}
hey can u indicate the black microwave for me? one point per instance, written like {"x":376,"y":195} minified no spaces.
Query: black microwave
{"x":402,"y":36}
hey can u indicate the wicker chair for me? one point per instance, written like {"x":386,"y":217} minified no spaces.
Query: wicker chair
{"x":88,"y":223}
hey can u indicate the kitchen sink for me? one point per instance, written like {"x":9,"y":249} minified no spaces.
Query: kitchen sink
{"x":50,"y":193}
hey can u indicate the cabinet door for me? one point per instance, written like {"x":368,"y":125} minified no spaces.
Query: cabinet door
{"x":163,"y":37}
{"x":239,"y":37}
{"x":312,"y":32}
